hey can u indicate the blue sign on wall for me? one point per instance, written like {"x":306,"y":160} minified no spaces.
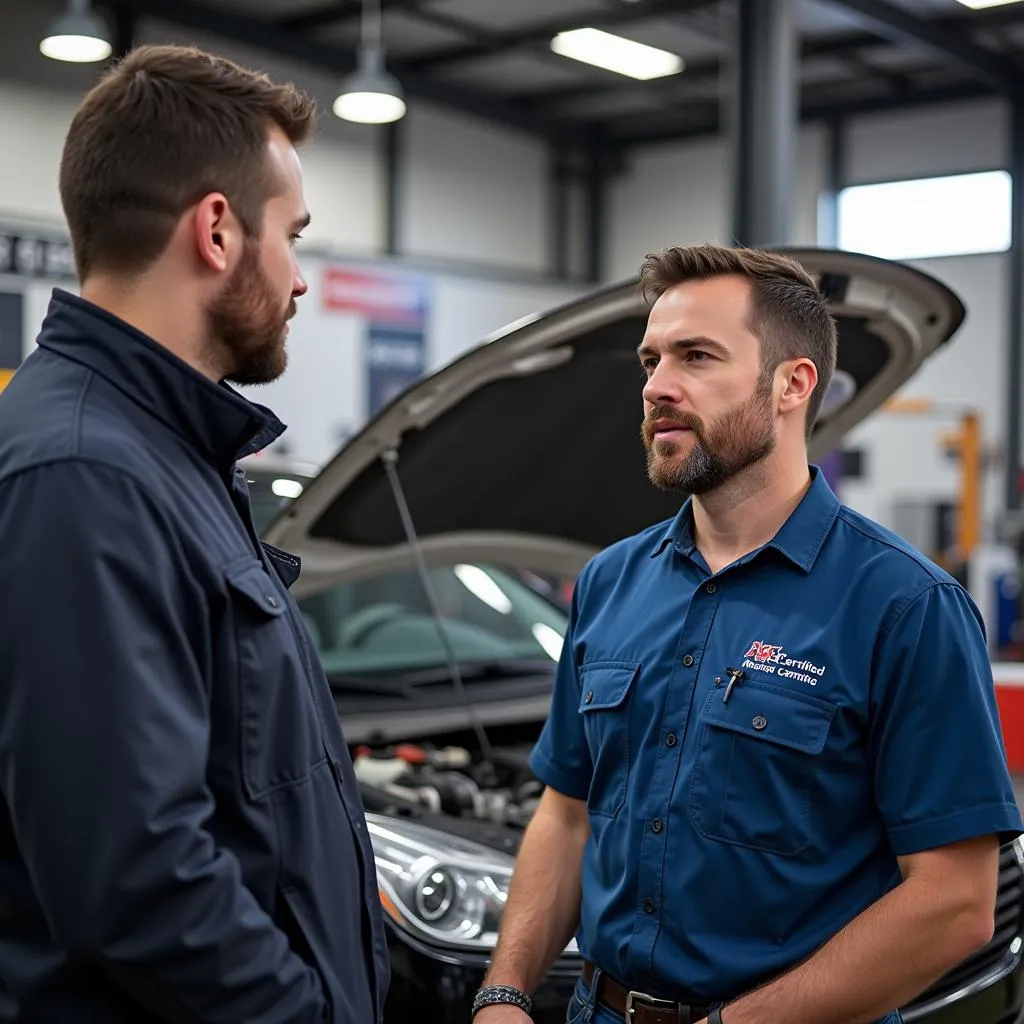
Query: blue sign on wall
{"x":395,"y":358}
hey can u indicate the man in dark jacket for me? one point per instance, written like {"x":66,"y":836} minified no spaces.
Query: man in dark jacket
{"x":181,"y":837}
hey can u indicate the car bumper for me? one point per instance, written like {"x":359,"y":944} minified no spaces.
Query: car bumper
{"x":995,"y":999}
{"x":433,"y":987}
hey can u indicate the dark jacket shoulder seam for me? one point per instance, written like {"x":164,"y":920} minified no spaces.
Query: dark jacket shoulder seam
{"x":76,"y":429}
{"x":94,"y":462}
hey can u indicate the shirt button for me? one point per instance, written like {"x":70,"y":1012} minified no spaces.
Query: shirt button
{"x":589,"y":698}
{"x":711,"y":588}
{"x":272,"y":601}
{"x":759,"y":722}
{"x":670,"y":739}
{"x":688,"y":660}
{"x":648,"y":906}
{"x":657,"y":825}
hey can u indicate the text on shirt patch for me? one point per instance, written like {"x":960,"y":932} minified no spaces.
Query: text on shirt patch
{"x":773,"y":660}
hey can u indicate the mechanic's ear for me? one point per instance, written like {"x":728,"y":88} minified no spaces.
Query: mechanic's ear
{"x":799,"y":379}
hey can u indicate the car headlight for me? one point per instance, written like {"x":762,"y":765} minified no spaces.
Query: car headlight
{"x":444,"y":889}
{"x":441,"y":888}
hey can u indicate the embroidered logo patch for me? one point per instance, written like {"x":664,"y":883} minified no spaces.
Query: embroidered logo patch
{"x":773,"y":660}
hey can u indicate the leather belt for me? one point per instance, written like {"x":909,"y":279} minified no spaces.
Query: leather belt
{"x":638,"y":1007}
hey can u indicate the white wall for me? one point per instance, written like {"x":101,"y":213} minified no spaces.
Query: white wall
{"x":680,"y":193}
{"x":472,"y":192}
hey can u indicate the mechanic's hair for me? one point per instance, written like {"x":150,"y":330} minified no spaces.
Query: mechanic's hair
{"x":165,"y":126}
{"x":788,"y":312}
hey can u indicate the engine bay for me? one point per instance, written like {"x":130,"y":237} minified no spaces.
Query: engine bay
{"x":489,"y":799}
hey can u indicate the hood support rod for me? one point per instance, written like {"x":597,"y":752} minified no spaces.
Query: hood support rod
{"x":390,"y":459}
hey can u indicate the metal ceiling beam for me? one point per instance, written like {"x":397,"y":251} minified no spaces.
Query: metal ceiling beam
{"x":898,"y":25}
{"x":333,"y":13}
{"x":338,"y":60}
{"x":809,"y":112}
{"x":543,"y":32}
{"x":842,"y":45}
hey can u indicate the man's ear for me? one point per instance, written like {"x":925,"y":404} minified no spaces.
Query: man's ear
{"x":217,"y":232}
{"x":799,"y":377}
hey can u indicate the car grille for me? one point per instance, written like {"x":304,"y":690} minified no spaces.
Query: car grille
{"x":998,"y":953}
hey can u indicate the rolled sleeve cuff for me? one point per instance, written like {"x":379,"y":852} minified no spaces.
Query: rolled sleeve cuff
{"x":1003,"y":819}
{"x":565,"y":782}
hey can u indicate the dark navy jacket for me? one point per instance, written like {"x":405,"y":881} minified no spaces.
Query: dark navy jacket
{"x":181,"y":838}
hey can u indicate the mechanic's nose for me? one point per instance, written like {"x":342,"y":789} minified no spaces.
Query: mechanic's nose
{"x":661,"y":389}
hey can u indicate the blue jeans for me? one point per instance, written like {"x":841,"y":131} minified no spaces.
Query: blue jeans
{"x":583,"y":1009}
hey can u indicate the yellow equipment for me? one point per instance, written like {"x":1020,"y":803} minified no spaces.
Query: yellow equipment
{"x":966,"y":444}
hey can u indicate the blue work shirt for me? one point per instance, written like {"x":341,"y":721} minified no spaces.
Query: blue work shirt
{"x":181,"y":834}
{"x":734,"y":831}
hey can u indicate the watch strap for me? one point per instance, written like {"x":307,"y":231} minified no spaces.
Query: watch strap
{"x":715,"y":1016}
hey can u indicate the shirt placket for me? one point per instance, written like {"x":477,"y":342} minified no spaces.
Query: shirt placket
{"x":674,"y":732}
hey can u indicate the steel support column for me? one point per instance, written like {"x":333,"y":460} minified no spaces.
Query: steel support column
{"x":559,"y":211}
{"x":834,"y":182}
{"x":392,"y":154}
{"x":763,"y":121}
{"x":597,"y":189}
{"x":1015,"y":319}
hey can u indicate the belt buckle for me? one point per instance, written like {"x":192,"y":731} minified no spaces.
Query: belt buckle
{"x":642,"y":997}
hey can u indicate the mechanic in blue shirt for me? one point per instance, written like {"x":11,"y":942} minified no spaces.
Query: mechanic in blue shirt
{"x":776,"y":785}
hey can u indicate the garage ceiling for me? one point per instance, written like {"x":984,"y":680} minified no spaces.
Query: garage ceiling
{"x":492,"y":57}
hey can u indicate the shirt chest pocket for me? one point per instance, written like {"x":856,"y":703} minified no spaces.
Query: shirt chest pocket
{"x":758,"y":756}
{"x":604,"y":707}
{"x":279,"y":722}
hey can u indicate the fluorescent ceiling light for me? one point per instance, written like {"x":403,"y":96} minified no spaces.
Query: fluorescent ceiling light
{"x":613,"y":53}
{"x":980,"y":5}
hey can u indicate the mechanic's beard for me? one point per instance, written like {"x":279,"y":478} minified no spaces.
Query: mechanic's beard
{"x":739,"y":438}
{"x":246,"y":324}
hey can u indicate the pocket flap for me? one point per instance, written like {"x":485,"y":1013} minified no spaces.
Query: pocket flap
{"x":605,"y":684}
{"x":791,"y":719}
{"x":250,"y":580}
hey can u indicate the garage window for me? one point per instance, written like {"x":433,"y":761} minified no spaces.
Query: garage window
{"x":949,"y":216}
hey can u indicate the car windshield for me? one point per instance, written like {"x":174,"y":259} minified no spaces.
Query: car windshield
{"x":383,"y":625}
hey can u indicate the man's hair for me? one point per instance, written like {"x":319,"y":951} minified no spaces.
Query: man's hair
{"x":788,"y":312}
{"x":164,"y":127}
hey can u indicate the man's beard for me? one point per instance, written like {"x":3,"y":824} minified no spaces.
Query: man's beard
{"x":740,"y":437}
{"x":246,"y":325}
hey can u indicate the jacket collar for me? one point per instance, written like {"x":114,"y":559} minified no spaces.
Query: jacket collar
{"x":799,"y":539}
{"x":213,"y":418}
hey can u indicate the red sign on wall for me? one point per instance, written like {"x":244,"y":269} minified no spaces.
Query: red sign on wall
{"x":381,"y":298}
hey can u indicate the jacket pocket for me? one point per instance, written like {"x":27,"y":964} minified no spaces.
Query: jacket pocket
{"x":756,"y":760}
{"x":604,"y":706}
{"x":281,"y":735}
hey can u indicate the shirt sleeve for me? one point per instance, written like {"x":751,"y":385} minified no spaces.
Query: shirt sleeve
{"x":104,"y":742}
{"x":561,"y":757}
{"x":939,"y":760}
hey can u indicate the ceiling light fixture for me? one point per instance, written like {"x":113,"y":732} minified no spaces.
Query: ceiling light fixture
{"x":370,"y":95}
{"x":614,"y":53}
{"x":77,"y":36}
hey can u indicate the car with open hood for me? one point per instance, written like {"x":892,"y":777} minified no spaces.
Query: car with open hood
{"x":429,"y":545}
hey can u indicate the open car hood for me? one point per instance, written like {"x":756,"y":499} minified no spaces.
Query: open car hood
{"x":526,"y":451}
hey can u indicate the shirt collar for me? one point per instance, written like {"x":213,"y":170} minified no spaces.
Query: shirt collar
{"x":214,"y":418}
{"x":799,"y":539}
